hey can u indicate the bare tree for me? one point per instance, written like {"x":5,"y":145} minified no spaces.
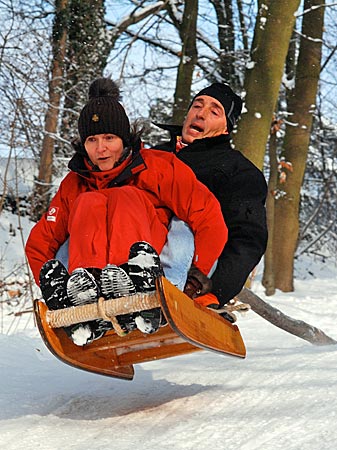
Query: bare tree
{"x":273,"y":29}
{"x":226,"y":36}
{"x":268,"y":280}
{"x":87,"y":50}
{"x":43,"y":181}
{"x":188,"y":57}
{"x":301,"y":107}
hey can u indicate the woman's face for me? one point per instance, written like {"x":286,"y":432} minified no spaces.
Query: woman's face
{"x":104,"y":150}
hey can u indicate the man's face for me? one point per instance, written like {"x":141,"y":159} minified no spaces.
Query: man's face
{"x":205,"y":118}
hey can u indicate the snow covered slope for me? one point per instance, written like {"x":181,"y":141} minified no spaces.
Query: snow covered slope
{"x":283,"y":395}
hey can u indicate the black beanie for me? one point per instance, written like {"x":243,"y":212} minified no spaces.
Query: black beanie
{"x":231,"y":102}
{"x":103,"y":114}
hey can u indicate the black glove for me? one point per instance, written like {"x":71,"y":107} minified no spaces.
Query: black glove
{"x":197,"y":283}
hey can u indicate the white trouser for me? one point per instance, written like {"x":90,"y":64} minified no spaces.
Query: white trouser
{"x":177,"y":254}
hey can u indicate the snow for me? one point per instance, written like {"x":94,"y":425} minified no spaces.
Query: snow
{"x":250,"y":65}
{"x":81,"y":335}
{"x":282,"y":396}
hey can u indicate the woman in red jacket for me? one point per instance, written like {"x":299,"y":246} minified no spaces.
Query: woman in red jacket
{"x":117,"y":193}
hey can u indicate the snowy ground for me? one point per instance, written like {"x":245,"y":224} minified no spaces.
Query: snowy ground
{"x":282,"y":396}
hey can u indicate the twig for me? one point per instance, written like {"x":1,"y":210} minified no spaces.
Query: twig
{"x":20,"y":313}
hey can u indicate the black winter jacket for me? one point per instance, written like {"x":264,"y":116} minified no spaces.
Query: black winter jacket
{"x":241,"y":189}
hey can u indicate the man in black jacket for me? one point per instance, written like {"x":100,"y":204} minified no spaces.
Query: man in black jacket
{"x":203,"y":143}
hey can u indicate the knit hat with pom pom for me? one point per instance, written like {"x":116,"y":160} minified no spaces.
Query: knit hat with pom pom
{"x":103,"y":114}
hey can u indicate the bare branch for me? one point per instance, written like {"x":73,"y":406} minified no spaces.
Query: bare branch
{"x":296,"y":327}
{"x":133,"y":18}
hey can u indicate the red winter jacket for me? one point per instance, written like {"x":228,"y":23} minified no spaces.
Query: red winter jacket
{"x":169,"y":184}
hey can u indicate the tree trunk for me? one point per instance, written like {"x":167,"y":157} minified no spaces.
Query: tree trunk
{"x":86,"y":57}
{"x":243,"y":27}
{"x":187,"y":31}
{"x":43,"y":181}
{"x":263,"y":77}
{"x":268,"y":280}
{"x":226,"y":36}
{"x":296,"y":143}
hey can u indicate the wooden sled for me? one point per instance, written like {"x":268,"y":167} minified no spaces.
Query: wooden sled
{"x":190,"y":328}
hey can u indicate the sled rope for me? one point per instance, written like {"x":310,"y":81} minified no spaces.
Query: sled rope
{"x":105,"y":309}
{"x":119,"y":330}
{"x":234,"y":306}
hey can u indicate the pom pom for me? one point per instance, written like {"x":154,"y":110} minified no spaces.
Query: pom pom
{"x":104,"y":87}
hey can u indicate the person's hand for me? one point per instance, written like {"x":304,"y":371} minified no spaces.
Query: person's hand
{"x":197,"y":283}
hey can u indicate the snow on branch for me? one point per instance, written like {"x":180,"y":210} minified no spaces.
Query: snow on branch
{"x":136,"y":16}
{"x":326,"y":5}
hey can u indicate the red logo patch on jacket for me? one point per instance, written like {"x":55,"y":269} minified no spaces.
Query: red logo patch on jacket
{"x":52,"y":214}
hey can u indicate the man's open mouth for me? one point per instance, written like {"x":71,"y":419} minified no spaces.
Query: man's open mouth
{"x":196,"y":128}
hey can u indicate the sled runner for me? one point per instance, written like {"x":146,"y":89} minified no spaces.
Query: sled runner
{"x":190,"y":328}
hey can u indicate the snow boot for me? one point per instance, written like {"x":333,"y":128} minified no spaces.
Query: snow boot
{"x":83,"y":289}
{"x":144,"y":267}
{"x":115,"y":283}
{"x":53,"y":284}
